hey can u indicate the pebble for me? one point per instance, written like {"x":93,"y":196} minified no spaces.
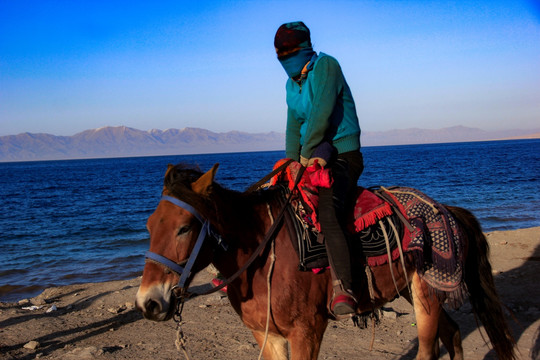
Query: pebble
{"x":24,"y":302}
{"x":38,"y":301}
{"x":117,"y":310}
{"x":83,"y":353}
{"x":389,"y":313}
{"x":213,"y":298}
{"x":32,"y":345}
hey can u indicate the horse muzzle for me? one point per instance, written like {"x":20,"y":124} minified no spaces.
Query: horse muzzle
{"x":157,"y":303}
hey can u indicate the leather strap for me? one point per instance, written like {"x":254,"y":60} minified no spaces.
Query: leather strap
{"x":269,"y":176}
{"x":269,"y":235}
{"x":383,"y":195}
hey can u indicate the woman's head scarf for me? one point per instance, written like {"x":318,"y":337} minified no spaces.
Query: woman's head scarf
{"x":293,"y":36}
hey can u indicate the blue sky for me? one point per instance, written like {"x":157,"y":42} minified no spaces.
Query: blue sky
{"x":68,"y":66}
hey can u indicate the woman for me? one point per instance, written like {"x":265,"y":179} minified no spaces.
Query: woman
{"x":322,"y":126}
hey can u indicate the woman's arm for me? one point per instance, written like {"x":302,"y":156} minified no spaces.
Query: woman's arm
{"x":292,"y":137}
{"x":327,"y":85}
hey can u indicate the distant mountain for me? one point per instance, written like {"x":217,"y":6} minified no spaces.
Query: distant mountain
{"x":451,"y":134}
{"x":123,"y":141}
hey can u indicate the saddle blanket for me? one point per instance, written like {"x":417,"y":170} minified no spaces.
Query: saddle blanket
{"x":369,"y":207}
{"x":436,"y":242}
{"x":428,"y":231}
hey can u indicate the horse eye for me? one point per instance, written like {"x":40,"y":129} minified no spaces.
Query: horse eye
{"x":183,"y":230}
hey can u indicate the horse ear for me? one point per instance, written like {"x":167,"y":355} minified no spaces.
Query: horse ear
{"x":169,"y":168}
{"x":203,"y":184}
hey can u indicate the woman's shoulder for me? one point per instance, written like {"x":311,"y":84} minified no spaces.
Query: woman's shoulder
{"x":322,"y":57}
{"x":326,"y":61}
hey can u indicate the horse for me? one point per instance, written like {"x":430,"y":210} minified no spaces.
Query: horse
{"x":199,"y":222}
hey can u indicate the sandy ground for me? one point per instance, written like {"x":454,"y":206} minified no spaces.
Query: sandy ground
{"x":99,"y":321}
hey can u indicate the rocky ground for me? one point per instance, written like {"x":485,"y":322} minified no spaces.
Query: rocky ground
{"x":99,"y":321}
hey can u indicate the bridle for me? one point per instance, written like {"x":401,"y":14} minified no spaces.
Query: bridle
{"x":184,"y":268}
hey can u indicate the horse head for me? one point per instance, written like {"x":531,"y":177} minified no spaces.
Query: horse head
{"x":177,"y":228}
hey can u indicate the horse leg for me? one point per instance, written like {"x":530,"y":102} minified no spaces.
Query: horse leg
{"x":427,"y":309}
{"x":305,"y":343}
{"x":448,"y":332}
{"x":276,"y":347}
{"x":450,"y":336}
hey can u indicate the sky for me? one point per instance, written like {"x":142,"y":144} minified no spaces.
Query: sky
{"x":69,"y":66}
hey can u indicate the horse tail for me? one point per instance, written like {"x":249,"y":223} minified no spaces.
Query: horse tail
{"x":481,"y":287}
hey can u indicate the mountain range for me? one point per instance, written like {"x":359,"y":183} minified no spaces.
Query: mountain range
{"x":122,"y":141}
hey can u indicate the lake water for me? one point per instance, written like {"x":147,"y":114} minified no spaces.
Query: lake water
{"x":73,"y":221}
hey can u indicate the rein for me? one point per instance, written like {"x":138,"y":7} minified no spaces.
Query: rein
{"x":184,"y":271}
{"x":277,"y":170}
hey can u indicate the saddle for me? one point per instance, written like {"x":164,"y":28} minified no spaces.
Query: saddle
{"x":383,"y":218}
{"x":373,"y":223}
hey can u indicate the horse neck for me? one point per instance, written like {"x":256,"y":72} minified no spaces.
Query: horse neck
{"x":242,"y":220}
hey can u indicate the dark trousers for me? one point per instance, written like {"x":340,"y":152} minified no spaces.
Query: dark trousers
{"x":335,"y":203}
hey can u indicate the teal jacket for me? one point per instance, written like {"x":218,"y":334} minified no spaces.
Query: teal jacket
{"x":321,"y":108}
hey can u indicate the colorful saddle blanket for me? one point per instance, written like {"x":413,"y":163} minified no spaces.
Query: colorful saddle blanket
{"x":427,"y":230}
{"x":369,"y":207}
{"x":437,"y":242}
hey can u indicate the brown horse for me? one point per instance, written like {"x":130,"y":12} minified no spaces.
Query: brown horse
{"x":195,"y":208}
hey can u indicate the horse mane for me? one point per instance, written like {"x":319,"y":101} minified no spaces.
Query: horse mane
{"x":229,"y":211}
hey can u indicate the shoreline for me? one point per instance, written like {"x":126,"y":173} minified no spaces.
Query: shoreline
{"x":25,"y":294}
{"x":8,"y":299}
{"x":99,"y":320}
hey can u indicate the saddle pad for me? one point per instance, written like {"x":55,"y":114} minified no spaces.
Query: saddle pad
{"x":436,"y":242}
{"x":371,"y":216}
{"x":311,"y":250}
{"x":373,"y":243}
{"x":304,"y":238}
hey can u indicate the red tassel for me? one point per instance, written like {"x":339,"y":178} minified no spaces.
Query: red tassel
{"x":371,"y":217}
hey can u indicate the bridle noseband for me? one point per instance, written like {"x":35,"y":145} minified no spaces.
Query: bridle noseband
{"x":184,"y":271}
